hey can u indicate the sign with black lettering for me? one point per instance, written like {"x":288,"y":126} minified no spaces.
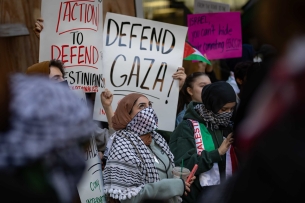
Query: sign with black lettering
{"x":72,"y":33}
{"x":141,"y":56}
{"x":91,"y":186}
{"x":218,"y":35}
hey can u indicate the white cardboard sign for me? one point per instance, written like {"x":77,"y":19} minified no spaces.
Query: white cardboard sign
{"x":91,"y":186}
{"x":202,"y":6}
{"x":72,"y":33}
{"x":140,"y":56}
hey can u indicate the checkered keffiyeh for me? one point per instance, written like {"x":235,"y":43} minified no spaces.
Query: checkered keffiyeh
{"x":130,"y":164}
{"x":213,"y":121}
{"x":47,"y":122}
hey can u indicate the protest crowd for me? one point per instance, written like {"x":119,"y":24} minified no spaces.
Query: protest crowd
{"x":118,"y":114}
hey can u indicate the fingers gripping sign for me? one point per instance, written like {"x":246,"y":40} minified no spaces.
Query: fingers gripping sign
{"x":38,"y":27}
{"x":181,"y":76}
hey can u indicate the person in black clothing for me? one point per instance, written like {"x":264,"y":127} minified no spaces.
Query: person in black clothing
{"x":271,"y":134}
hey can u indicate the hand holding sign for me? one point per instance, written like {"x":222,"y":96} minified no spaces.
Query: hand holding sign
{"x":181,"y":76}
{"x":38,"y":27}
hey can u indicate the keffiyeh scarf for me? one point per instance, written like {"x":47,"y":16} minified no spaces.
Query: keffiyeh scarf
{"x":48,"y":123}
{"x":130,"y":165}
{"x":213,"y":121}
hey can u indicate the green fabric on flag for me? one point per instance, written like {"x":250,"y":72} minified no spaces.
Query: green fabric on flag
{"x":194,"y":57}
{"x":206,"y":138}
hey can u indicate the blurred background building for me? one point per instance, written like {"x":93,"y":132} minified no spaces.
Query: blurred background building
{"x":165,"y":9}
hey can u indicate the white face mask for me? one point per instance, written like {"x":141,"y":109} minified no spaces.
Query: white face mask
{"x":144,"y":122}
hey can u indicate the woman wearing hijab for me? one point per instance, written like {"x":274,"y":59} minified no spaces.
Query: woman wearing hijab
{"x":200,"y":138}
{"x":139,"y":164}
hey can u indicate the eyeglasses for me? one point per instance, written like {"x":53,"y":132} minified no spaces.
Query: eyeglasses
{"x":142,"y":106}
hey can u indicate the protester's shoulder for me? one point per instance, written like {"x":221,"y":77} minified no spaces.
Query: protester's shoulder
{"x":183,"y":130}
{"x":181,"y":113}
{"x":180,"y":116}
{"x":120,"y":141}
{"x":191,"y":113}
{"x":165,"y":134}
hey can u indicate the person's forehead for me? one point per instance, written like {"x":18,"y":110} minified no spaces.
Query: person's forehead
{"x":55,"y":70}
{"x":202,"y":78}
{"x":230,"y":104}
{"x":142,"y":100}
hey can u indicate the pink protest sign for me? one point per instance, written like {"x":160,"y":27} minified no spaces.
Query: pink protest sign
{"x":218,"y":35}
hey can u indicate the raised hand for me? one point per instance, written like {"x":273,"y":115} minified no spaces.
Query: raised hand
{"x":106,"y":98}
{"x":180,"y":75}
{"x":38,"y":27}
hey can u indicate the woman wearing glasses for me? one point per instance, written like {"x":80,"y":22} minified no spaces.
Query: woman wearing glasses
{"x":139,"y":164}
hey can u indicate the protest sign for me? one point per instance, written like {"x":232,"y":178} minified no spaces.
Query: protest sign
{"x":218,"y":35}
{"x":142,"y":56}
{"x":91,"y":186}
{"x":202,"y":6}
{"x":72,"y":33}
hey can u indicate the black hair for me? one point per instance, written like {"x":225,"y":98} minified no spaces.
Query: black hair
{"x":241,"y":69}
{"x":184,"y":97}
{"x":58,"y":64}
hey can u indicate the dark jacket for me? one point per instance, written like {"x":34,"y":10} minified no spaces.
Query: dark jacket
{"x":182,"y":145}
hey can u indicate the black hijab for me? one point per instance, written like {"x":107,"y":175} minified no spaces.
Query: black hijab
{"x":214,"y":96}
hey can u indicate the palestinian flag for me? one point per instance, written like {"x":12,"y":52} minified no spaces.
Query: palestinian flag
{"x":192,"y":54}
